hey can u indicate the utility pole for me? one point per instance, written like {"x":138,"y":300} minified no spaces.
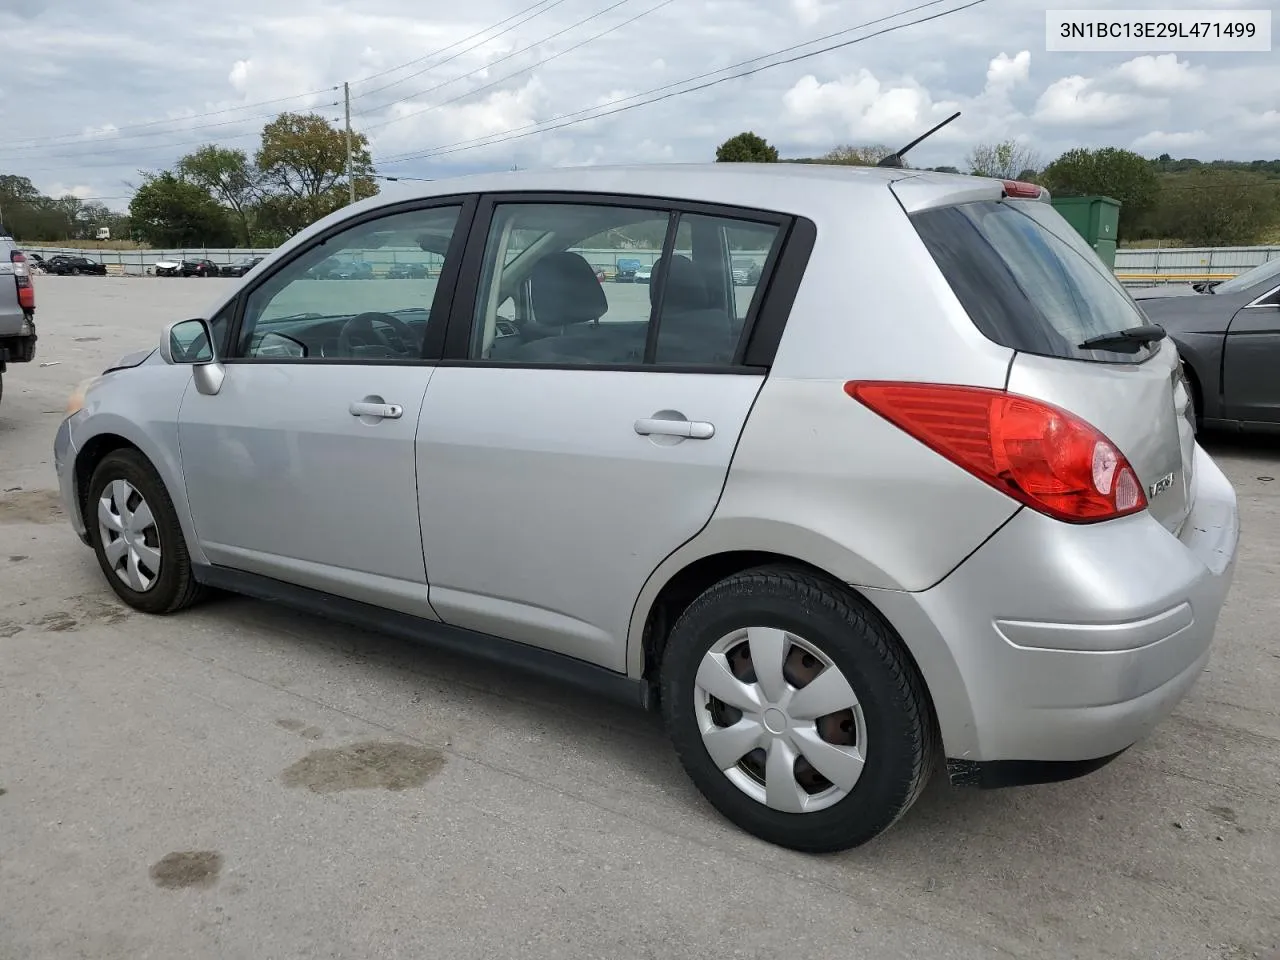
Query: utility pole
{"x":351,"y":180}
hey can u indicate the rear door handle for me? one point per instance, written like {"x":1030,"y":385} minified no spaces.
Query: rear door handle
{"x":690,"y":429}
{"x":382,"y":411}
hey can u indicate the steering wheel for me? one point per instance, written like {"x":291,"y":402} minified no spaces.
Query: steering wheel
{"x":360,"y":331}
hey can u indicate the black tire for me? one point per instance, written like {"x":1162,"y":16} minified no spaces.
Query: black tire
{"x":175,"y":587}
{"x":901,"y":747}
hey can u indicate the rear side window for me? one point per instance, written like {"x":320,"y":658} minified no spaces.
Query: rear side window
{"x":1027,"y":279}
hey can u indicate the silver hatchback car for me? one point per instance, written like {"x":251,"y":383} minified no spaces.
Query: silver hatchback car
{"x":928,"y":490}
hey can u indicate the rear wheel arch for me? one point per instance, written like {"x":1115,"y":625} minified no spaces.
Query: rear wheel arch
{"x":697,"y":576}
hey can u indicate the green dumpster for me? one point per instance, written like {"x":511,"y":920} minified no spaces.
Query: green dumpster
{"x":1097,"y":219}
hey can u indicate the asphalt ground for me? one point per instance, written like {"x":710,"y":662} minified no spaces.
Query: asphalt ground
{"x":245,"y":781}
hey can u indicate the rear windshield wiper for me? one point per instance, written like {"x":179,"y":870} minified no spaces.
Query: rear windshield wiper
{"x":1125,"y":341}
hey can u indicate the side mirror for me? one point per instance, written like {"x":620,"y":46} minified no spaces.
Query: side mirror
{"x":191,"y":342}
{"x":187,"y":341}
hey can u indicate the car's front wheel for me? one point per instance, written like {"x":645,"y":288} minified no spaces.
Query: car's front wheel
{"x":136,"y":535}
{"x":796,"y":711}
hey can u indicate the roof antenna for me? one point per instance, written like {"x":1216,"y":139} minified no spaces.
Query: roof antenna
{"x":895,"y":159}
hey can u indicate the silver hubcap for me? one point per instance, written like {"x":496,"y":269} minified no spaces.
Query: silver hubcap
{"x":130,"y":539}
{"x":780,"y":719}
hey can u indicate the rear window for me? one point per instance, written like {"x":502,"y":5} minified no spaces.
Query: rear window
{"x":1027,"y":279}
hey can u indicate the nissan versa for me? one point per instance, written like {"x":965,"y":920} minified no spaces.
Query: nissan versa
{"x":929,"y":490}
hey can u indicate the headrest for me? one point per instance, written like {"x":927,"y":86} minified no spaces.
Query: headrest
{"x":685,"y":289}
{"x":565,"y":290}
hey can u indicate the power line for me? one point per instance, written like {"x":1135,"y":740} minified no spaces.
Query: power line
{"x":393,"y":83}
{"x":516,"y":135}
{"x":95,"y":147}
{"x":196,"y":116}
{"x":77,"y":139}
{"x":539,"y":63}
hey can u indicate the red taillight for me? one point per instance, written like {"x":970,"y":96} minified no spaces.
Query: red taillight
{"x":26,"y":292}
{"x":1037,"y":453}
{"x":1022,"y":190}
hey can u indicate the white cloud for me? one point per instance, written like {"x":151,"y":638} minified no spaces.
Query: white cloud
{"x":1157,"y":141}
{"x":859,"y":108}
{"x":1079,"y":101}
{"x":1005,"y":72}
{"x":1161,"y":74}
{"x":60,"y":190}
{"x":90,"y":73}
{"x":808,"y":12}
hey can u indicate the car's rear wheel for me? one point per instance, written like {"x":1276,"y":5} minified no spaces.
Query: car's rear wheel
{"x":796,"y":711}
{"x":137,"y":537}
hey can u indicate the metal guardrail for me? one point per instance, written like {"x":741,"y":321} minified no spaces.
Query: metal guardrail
{"x":1147,"y":266}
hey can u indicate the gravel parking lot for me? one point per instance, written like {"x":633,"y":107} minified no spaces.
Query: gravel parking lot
{"x":244,"y":781}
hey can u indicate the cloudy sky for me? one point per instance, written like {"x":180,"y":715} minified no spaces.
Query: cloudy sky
{"x":92,"y":92}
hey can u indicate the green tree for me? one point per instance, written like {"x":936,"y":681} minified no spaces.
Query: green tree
{"x":1111,"y":172}
{"x":1211,"y":207}
{"x":746,"y":148}
{"x":851,"y":156}
{"x":1006,"y":160}
{"x":303,"y":163}
{"x":167,"y":211}
{"x":230,"y":178}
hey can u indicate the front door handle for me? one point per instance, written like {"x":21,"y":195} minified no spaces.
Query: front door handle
{"x":689,"y":429}
{"x":379,"y":411}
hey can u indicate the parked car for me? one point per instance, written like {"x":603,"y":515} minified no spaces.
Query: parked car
{"x":644,"y":273}
{"x":17,"y":308}
{"x":67,"y":265}
{"x":337,"y":268}
{"x":830,"y":549}
{"x":200,"y":268}
{"x":746,"y":273}
{"x":1228,"y":335}
{"x":186,"y":267}
{"x":240,"y":267}
{"x":625,"y":270}
{"x":406,"y":271}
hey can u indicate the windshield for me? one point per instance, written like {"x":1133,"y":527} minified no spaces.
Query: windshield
{"x":1259,"y":274}
{"x":1028,"y":280}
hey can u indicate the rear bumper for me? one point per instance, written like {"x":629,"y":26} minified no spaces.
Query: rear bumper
{"x":1062,"y":644}
{"x":14,"y":323}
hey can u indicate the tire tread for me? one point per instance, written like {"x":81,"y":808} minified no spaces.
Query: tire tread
{"x":812,"y":590}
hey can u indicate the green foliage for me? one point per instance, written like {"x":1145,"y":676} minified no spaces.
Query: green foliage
{"x":849,"y":155}
{"x":227,"y":176}
{"x":303,"y":161}
{"x":214,"y":196}
{"x":1109,"y":171}
{"x":167,"y":211}
{"x":746,"y":148}
{"x":1006,"y":160}
{"x":27,"y":214}
{"x":1214,"y":206}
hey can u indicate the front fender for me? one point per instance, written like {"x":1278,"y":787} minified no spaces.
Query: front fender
{"x":140,"y":406}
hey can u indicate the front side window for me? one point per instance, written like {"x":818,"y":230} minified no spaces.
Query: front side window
{"x":364,"y":294}
{"x":544,"y":299}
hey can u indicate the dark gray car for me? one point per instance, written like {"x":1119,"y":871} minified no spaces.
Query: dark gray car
{"x":1228,"y":335}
